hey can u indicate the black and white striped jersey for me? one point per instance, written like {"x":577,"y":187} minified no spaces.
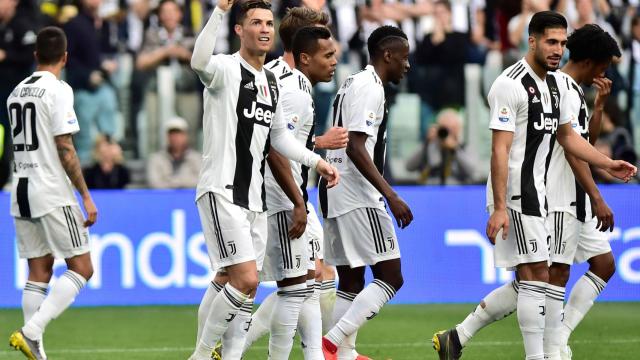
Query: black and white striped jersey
{"x":563,"y":191}
{"x":240,"y":109}
{"x":299,"y":115}
{"x":40,"y":108}
{"x":358,"y":106}
{"x":529,"y":107}
{"x":278,"y":67}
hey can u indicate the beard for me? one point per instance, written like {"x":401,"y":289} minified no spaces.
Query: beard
{"x":542,"y":61}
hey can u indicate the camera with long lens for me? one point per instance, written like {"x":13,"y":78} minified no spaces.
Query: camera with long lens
{"x":443,"y":132}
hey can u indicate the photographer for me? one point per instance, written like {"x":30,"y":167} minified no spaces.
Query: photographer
{"x":442,"y":159}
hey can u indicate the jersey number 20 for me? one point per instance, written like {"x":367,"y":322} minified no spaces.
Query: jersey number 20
{"x":23,"y":121}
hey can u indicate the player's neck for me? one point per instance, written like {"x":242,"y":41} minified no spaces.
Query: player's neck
{"x":379,"y":68}
{"x":288,"y":58}
{"x":539,"y":70}
{"x":255,"y":60}
{"x":55,"y":70}
{"x":573,"y":70}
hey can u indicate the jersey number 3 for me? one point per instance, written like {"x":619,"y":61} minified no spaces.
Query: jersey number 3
{"x":23,"y":121}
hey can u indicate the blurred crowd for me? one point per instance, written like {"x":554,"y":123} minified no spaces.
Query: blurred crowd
{"x":139,"y":104}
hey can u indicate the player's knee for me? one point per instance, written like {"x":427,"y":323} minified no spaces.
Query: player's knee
{"x":41,"y":274}
{"x":83,"y":269}
{"x":397,"y":282}
{"x":559,"y":274}
{"x":603,"y":266}
{"x":247,"y":284}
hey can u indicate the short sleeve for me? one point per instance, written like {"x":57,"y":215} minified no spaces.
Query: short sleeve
{"x":64,"y":120}
{"x":365,"y":107}
{"x":570,"y":104}
{"x":504,"y":103}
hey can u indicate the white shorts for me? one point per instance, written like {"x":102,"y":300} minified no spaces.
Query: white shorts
{"x":60,"y":233}
{"x":574,"y":242}
{"x":285,"y":258}
{"x":232,"y":233}
{"x":314,"y":233}
{"x":363,"y":236}
{"x":527,"y":241}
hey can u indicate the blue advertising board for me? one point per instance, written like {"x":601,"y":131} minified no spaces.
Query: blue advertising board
{"x":148,"y":248}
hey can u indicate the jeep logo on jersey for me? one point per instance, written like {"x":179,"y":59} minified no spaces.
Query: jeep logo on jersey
{"x":546,"y":124}
{"x":260,"y":115}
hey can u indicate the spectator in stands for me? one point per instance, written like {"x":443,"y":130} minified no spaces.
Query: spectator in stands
{"x":178,"y":166}
{"x":442,"y":56}
{"x":634,"y":81}
{"x":518,"y":29}
{"x":17,"y":40}
{"x":442,"y":159}
{"x":108,"y":172}
{"x":88,"y":74}
{"x":168,"y":50}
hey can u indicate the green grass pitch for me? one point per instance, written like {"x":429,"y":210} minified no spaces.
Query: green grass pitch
{"x":400,"y":332}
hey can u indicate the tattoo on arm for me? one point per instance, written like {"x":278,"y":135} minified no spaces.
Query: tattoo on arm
{"x":71,"y":163}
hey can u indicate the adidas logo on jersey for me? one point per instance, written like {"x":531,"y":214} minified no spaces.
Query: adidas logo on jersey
{"x":249,"y":86}
{"x":535,"y":99}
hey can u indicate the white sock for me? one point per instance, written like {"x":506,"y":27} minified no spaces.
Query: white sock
{"x":224,"y":309}
{"x":343,"y":302}
{"x":33,"y":295}
{"x":284,"y":320}
{"x":553,"y":321}
{"x":581,"y":299}
{"x":310,"y":323}
{"x":365,"y":306}
{"x":531,"y":310}
{"x":62,"y":294}
{"x":327,"y":302}
{"x":260,"y":321}
{"x":234,"y":338}
{"x":498,"y":304}
{"x":205,"y":305}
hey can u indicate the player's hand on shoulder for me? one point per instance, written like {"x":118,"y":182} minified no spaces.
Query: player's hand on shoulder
{"x":622,"y":170}
{"x":299,"y":222}
{"x":497,"y":221}
{"x":400,"y":211}
{"x":328,"y":172}
{"x":225,"y":5}
{"x":91,"y":210}
{"x":603,"y":213}
{"x":334,"y":138}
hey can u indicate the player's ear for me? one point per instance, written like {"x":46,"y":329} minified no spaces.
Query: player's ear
{"x":387,"y":55}
{"x":238,"y":29}
{"x":304,"y":58}
{"x":532,"y":42}
{"x":64,"y":58}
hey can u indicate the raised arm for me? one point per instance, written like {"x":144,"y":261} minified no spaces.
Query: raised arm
{"x":71,"y":164}
{"x":206,"y":42}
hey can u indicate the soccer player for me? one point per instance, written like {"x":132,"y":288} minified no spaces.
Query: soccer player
{"x":577,"y":234}
{"x":291,"y":262}
{"x":49,"y":222}
{"x":358,"y":230}
{"x":335,"y":138}
{"x":242,"y":118}
{"x":524,"y":117}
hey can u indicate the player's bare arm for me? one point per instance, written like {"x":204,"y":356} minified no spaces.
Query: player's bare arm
{"x":500,"y":148}
{"x":358,"y":154}
{"x":604,"y":90}
{"x":281,"y":171}
{"x":578,"y":146}
{"x":583,"y":174}
{"x":334,"y":138}
{"x":71,"y":164}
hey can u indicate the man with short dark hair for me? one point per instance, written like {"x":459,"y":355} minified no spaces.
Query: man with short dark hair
{"x":358,"y":230}
{"x":49,"y":222}
{"x":525,"y":117}
{"x":242,"y":118}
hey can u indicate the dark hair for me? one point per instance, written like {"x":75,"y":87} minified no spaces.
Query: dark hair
{"x":635,"y":21}
{"x":544,"y":20}
{"x":247,"y":5}
{"x":51,"y":45}
{"x":591,"y":42}
{"x":445,"y":3}
{"x":297,"y":18}
{"x":382,"y":37}
{"x":306,"y":40}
